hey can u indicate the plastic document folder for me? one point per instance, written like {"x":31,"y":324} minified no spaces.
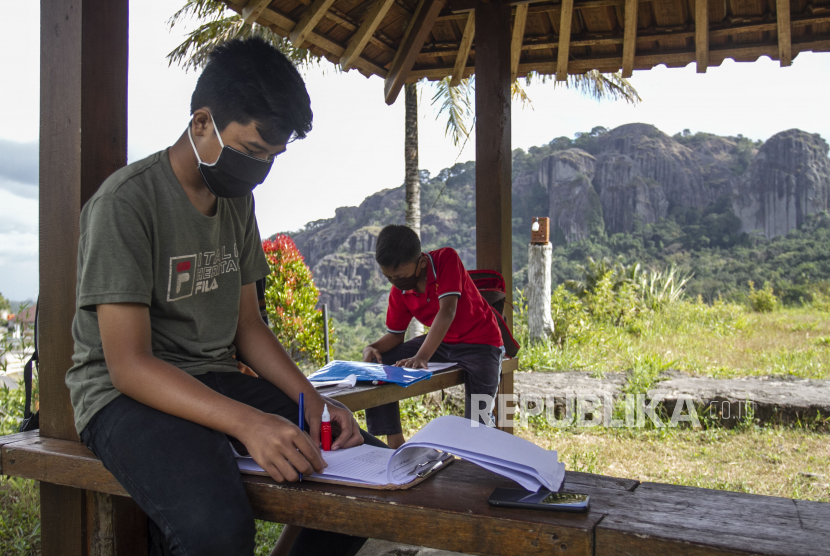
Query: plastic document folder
{"x":339,"y":370}
{"x":428,"y":451}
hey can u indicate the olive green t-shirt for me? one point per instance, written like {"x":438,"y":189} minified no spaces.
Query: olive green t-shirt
{"x":142,"y":241}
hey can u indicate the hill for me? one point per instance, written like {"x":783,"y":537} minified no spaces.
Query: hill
{"x":726,"y":208}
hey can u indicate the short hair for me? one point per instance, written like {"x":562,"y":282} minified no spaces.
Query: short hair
{"x":397,"y":245}
{"x":250,"y":80}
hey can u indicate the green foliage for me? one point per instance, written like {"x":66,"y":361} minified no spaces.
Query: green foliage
{"x":291,"y":298}
{"x":659,"y":288}
{"x":763,"y":300}
{"x":219,"y":24}
{"x":267,"y":534}
{"x":4,"y":304}
{"x":19,"y":517}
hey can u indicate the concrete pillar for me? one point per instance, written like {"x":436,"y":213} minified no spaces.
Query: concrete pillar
{"x":539,"y":320}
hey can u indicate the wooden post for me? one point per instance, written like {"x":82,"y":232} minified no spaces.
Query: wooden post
{"x":493,"y":156}
{"x":83,"y":139}
{"x":494,"y":233}
{"x":702,"y":35}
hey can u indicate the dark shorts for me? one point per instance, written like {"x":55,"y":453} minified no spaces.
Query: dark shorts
{"x":481,"y":362}
{"x":185,"y":478}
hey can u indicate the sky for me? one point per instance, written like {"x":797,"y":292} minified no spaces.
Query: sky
{"x":356,"y":146}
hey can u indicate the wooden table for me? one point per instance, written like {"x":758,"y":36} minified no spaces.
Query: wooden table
{"x":362,"y":397}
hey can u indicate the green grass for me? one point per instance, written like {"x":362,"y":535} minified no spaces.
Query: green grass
{"x":724,"y":341}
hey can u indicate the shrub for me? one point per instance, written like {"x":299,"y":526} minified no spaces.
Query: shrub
{"x":291,"y":299}
{"x":763,"y":300}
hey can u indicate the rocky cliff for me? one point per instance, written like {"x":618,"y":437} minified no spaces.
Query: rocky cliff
{"x":615,"y":179}
{"x":788,"y":179}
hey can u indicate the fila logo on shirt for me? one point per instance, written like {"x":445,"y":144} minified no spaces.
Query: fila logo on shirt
{"x":195,"y":274}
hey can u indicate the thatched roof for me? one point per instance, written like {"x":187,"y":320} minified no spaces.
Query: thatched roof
{"x":435,"y":38}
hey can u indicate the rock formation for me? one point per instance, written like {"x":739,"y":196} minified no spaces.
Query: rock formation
{"x":575,"y":209}
{"x":788,"y":179}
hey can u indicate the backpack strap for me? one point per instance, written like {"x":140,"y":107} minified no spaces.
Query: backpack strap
{"x":30,"y":421}
{"x":260,"y":294}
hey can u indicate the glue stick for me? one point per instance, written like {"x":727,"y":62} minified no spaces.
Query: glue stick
{"x":325,"y":429}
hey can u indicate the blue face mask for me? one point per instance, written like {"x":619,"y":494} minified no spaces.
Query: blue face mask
{"x":234,"y":174}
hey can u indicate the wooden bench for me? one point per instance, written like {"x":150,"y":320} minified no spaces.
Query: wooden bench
{"x":449,"y":511}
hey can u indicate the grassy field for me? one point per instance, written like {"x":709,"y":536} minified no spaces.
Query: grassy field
{"x":722,"y":341}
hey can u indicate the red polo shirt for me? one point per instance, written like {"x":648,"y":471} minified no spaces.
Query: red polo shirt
{"x":474,"y":322}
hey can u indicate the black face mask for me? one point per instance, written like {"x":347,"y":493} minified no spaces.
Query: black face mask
{"x":234,"y":174}
{"x":407,"y":283}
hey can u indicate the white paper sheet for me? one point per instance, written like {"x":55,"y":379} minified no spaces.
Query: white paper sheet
{"x":526,"y":463}
{"x":347,"y":382}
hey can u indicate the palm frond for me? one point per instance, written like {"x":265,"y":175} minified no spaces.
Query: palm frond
{"x":217,"y":28}
{"x":594,"y":84}
{"x":456,"y":103}
{"x":517,"y":92}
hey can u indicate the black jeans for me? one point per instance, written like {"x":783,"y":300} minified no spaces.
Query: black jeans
{"x":185,"y":478}
{"x":481,"y":362}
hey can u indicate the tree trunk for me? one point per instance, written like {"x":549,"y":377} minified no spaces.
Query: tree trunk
{"x":412,"y":179}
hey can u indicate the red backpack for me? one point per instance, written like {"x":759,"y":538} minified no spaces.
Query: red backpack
{"x":490,"y":285}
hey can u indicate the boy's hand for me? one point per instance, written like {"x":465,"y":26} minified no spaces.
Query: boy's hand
{"x":345,"y":431}
{"x":371,"y":355}
{"x":281,"y":449}
{"x":417,"y":362}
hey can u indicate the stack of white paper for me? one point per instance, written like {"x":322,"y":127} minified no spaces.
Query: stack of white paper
{"x":502,"y":453}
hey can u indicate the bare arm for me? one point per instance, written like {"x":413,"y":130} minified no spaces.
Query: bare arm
{"x":262,"y":351}
{"x":275,"y":443}
{"x":373,"y":352}
{"x":443,"y":320}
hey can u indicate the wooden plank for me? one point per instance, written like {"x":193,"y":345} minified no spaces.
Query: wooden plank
{"x":630,"y":36}
{"x":17,"y":437}
{"x":411,"y":43}
{"x":283,"y":25}
{"x":519,"y":21}
{"x":361,"y":38}
{"x":464,"y":50}
{"x":564,"y":40}
{"x":83,"y":139}
{"x":506,"y":388}
{"x":493,"y":152}
{"x":702,"y":35}
{"x":251,"y":11}
{"x":362,"y":397}
{"x":62,"y":531}
{"x":59,"y":462}
{"x":311,"y":17}
{"x":785,"y":50}
{"x":670,"y":519}
{"x":449,"y":511}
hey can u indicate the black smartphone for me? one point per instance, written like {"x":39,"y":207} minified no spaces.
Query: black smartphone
{"x":542,"y":500}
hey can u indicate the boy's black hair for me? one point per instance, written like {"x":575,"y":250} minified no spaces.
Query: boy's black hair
{"x":397,"y":245}
{"x":247,"y":80}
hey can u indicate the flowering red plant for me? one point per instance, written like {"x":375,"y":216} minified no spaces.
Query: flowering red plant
{"x":291,"y":300}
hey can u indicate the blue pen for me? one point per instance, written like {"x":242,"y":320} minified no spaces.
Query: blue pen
{"x":301,"y":419}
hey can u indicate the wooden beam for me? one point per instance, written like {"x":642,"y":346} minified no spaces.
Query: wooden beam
{"x":564,"y":40}
{"x":311,"y":17}
{"x":413,"y":40}
{"x":702,"y":35}
{"x":464,"y":50}
{"x":493,"y":153}
{"x":785,"y":48}
{"x":630,"y":36}
{"x":251,"y":11}
{"x":361,"y":38}
{"x":519,"y":22}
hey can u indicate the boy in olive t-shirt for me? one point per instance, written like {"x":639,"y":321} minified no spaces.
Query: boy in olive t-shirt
{"x":168,"y":257}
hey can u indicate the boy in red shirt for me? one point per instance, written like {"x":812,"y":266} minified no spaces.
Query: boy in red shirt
{"x":436,"y":289}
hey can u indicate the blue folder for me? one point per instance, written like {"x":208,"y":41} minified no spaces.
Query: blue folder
{"x":338,"y":370}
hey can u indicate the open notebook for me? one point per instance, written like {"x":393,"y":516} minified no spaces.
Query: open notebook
{"x":429,"y":451}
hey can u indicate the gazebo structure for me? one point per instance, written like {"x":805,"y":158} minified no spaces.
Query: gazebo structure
{"x":83,"y":137}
